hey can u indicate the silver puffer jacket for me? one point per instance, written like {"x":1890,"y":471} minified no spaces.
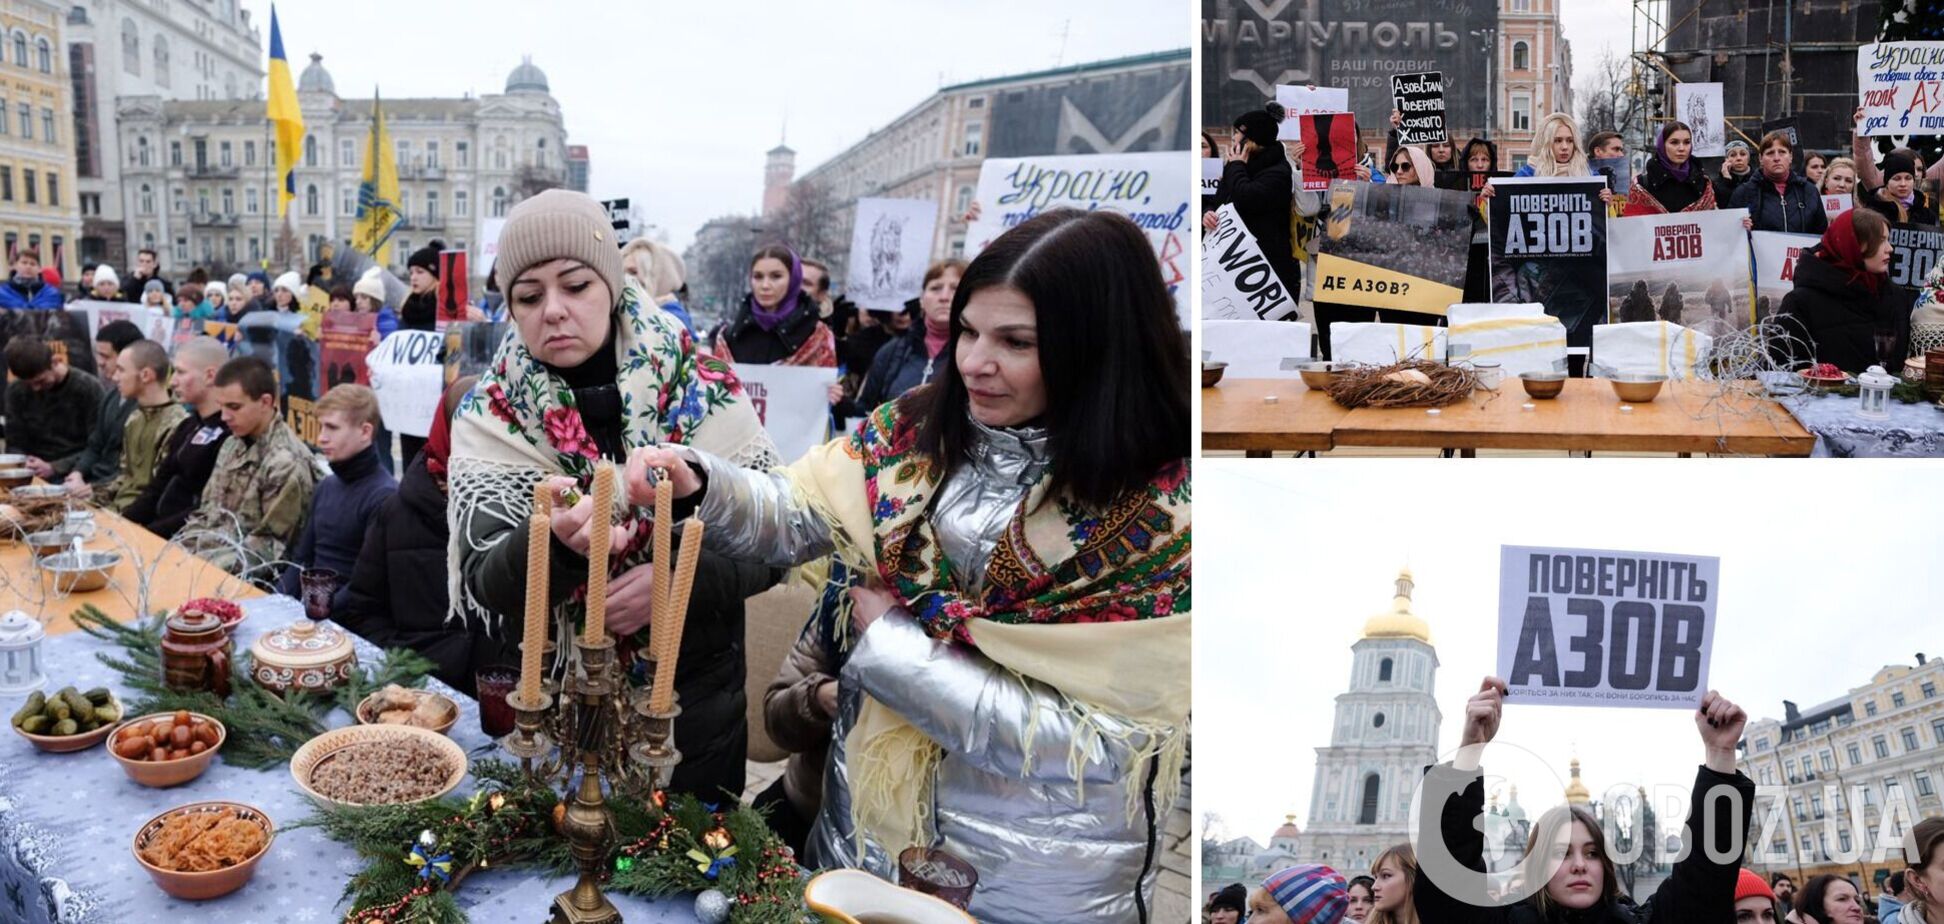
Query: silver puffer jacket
{"x":1043,"y":850}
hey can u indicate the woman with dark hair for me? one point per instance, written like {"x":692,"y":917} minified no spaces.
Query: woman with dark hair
{"x":1361,"y":899}
{"x":1829,"y":899}
{"x":590,"y":373}
{"x":1013,"y":680}
{"x":778,"y":324}
{"x":1259,"y":183}
{"x":1779,"y":199}
{"x":1673,"y":181}
{"x":1843,"y":298}
{"x":1566,"y":866}
{"x":1815,"y":165}
{"x":1210,"y":150}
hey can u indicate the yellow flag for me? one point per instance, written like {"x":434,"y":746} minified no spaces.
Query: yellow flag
{"x":377,"y":192}
{"x":286,"y":115}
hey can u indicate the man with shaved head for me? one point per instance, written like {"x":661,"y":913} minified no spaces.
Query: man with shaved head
{"x":190,"y":454}
{"x":141,"y":374}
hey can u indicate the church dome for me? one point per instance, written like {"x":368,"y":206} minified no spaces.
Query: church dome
{"x":1288,"y":829}
{"x":526,"y":77}
{"x":1513,"y":810}
{"x":1576,"y":793}
{"x":1399,"y":621}
{"x":315,"y":78}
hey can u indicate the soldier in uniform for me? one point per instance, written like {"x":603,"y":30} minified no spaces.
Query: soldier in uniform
{"x":255,"y":501}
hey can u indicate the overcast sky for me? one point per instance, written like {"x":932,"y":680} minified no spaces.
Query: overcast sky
{"x":1825,"y":578}
{"x":677,"y":102}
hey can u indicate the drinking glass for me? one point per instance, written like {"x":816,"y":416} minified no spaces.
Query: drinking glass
{"x":495,"y":713}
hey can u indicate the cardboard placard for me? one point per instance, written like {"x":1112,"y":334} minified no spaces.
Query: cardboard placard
{"x":891,"y":243}
{"x":1332,"y":149}
{"x":1688,"y":268}
{"x":452,"y":296}
{"x":1237,"y":281}
{"x":346,"y":339}
{"x":792,"y":404}
{"x":1419,"y":98}
{"x":1699,"y":105}
{"x":1301,"y":101}
{"x":1548,"y":245}
{"x":1898,"y":86}
{"x":407,"y":374}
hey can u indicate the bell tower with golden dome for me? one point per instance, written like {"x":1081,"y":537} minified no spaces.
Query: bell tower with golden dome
{"x":1385,"y":736}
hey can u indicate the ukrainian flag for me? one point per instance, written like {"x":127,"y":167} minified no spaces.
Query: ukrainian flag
{"x":377,"y":192}
{"x":288,"y":118}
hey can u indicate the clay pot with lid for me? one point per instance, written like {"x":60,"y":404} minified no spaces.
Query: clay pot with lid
{"x":306,"y":656}
{"x":196,"y":653}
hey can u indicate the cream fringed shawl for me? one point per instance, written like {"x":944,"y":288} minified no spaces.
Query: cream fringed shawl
{"x":1093,"y":603}
{"x":519,"y":424}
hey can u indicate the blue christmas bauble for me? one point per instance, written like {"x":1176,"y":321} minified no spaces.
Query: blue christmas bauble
{"x":712,"y":907}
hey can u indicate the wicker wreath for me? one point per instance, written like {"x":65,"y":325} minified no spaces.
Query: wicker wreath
{"x":1411,"y":383}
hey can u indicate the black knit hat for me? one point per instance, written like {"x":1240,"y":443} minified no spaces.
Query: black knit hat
{"x":1258,"y":125}
{"x":1232,"y":897}
{"x":1897,"y":162}
{"x":426,"y":258}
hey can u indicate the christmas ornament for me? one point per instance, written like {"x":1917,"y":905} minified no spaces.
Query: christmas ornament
{"x":717,"y":839}
{"x":711,"y":907}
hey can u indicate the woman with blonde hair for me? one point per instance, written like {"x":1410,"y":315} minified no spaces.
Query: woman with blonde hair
{"x":1394,"y":875}
{"x":1556,"y":152}
{"x":661,"y":275}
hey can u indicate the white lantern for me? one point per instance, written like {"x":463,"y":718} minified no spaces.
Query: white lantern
{"x":1873,"y":387}
{"x":20,"y":653}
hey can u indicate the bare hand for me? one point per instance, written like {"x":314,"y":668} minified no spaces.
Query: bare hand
{"x":827,"y":697}
{"x":628,"y":600}
{"x":867,"y":604}
{"x":78,"y":488}
{"x":641,"y":491}
{"x":39,"y":467}
{"x":835,"y":392}
{"x":1397,"y":119}
{"x":1748,"y":224}
{"x":474,"y":314}
{"x":574,"y":527}
{"x":1483,"y":712}
{"x":1857,"y":117}
{"x":1606,"y":195}
{"x":1233,"y":152}
{"x":1720,"y":723}
{"x":1210,"y":221}
{"x":972,"y":214}
{"x":1363,"y":172}
{"x":1488,"y":192}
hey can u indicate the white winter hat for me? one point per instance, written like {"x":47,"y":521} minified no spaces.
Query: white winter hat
{"x":371,"y":285}
{"x":291,"y":281}
{"x":106,"y":273}
{"x":214,"y":291}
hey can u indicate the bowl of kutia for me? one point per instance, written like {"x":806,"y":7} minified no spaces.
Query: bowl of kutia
{"x":50,"y":542}
{"x":68,"y":720}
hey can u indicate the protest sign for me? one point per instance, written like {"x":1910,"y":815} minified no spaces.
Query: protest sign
{"x":1393,"y":246}
{"x":1302,"y":101}
{"x":1466,"y":180}
{"x":1151,"y":189}
{"x":341,"y":351}
{"x":407,"y":374}
{"x":1211,"y":176}
{"x":621,"y":216}
{"x":1548,"y":245}
{"x":1914,"y":250}
{"x":489,"y":232}
{"x":1834,"y":205}
{"x":1775,"y":262}
{"x":1237,"y":282}
{"x":65,"y":331}
{"x":1688,"y":268}
{"x":891,"y":242}
{"x":451,"y":297}
{"x":153,"y":322}
{"x":469,"y":347}
{"x":1900,"y":87}
{"x":1617,"y":171}
{"x":300,"y":414}
{"x":1419,"y":98}
{"x":1331,"y":151}
{"x":1699,"y":105}
{"x":278,"y":339}
{"x":792,"y":404}
{"x":1588,"y":627}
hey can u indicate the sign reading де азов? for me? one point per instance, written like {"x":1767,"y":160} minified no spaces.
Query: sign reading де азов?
{"x":1590,"y":627}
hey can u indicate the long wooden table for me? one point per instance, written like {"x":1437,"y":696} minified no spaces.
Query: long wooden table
{"x":1686,"y":417}
{"x":175,"y":577}
{"x":1236,"y":416}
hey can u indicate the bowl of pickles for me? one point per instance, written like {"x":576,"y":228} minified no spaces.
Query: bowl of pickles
{"x":68,"y":720}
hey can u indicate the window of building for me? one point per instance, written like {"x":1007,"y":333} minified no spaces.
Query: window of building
{"x":974,"y":135}
{"x":1367,"y":811}
{"x":44,"y":56}
{"x":1869,"y":707}
{"x":349,"y":204}
{"x":20,"y":48}
{"x":1761,"y":745}
{"x":1384,"y":671}
{"x":1897,"y":700}
{"x":6,"y":184}
{"x":208,"y":249}
{"x":404,"y":154}
{"x":162,"y":61}
{"x":1521,"y":112}
{"x":1882,"y":746}
{"x":256,"y":250}
{"x":462,"y":153}
{"x":3,"y":119}
{"x":250,"y":200}
{"x":131,"y":48}
{"x":431,"y":153}
{"x":224,"y":154}
{"x":347,"y":153}
{"x":1828,"y":759}
{"x":1845,"y":720}
{"x":229,"y":201}
{"x":180,"y":200}
{"x":249,"y":153}
{"x":310,"y":150}
{"x":405,"y":204}
{"x":26,"y":121}
{"x":29,"y":182}
{"x":1910,"y":739}
{"x":229,"y":249}
{"x":202,"y":201}
{"x":310,"y":199}
{"x":499,"y":202}
{"x":1789,"y":768}
{"x":182,"y":251}
{"x":1855,"y":755}
{"x":54,"y":194}
{"x":1799,"y":813}
{"x":1521,"y":6}
{"x":1937,"y":731}
{"x":147,"y":200}
{"x":1929,"y":690}
{"x":1815,"y":804}
{"x":431,"y":206}
{"x":1924,"y":784}
{"x":175,"y":153}
{"x":1521,"y":56}
{"x":47,"y":126}
{"x":461,"y":205}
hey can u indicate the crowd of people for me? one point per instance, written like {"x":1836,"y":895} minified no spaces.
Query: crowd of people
{"x":1015,"y":501}
{"x":1567,"y":851}
{"x":1842,"y":305}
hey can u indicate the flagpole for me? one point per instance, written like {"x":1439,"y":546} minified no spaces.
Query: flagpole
{"x":263,"y":256}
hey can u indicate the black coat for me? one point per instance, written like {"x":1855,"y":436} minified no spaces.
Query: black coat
{"x":1262,"y":191}
{"x":1699,"y":890}
{"x":1922,"y":212}
{"x":749,"y":343}
{"x":1674,"y":195}
{"x":1840,"y":317}
{"x":1725,"y":186}
{"x":1797,"y":210}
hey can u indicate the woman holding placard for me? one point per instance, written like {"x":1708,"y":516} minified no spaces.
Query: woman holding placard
{"x":1259,"y":182}
{"x":1014,"y":537}
{"x":1582,"y":885}
{"x":1779,"y":199}
{"x":591,"y":374}
{"x":1840,"y":178}
{"x":1898,"y":199}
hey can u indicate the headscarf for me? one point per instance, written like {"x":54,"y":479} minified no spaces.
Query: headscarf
{"x":1842,"y":250}
{"x":1541,"y":158}
{"x":1309,"y":894}
{"x":768,"y":318}
{"x":1679,"y":173}
{"x":1420,"y":164}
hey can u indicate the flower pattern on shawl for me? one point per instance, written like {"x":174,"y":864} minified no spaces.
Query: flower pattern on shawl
{"x":568,"y":433}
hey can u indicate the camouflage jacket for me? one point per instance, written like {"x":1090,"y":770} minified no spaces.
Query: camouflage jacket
{"x":261,"y":487}
{"x":145,"y":439}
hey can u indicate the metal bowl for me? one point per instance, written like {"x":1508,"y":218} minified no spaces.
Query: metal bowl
{"x":14,"y":479}
{"x":1543,"y":385}
{"x":1638,"y":389}
{"x":1212,"y":373}
{"x":12,"y":460}
{"x":1319,"y":375}
{"x":50,"y":542}
{"x":89,"y":572}
{"x":40,"y":491}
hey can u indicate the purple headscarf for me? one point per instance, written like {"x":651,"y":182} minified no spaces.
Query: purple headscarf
{"x":767,"y":318}
{"x":1680,"y":173}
